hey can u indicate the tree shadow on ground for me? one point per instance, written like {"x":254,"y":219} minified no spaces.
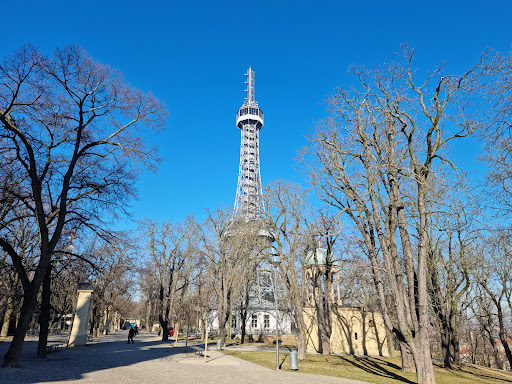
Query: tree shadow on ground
{"x":482,"y":375}
{"x":376,"y":367}
{"x":107,"y":352}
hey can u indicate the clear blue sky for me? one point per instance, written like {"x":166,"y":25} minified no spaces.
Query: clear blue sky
{"x":193,"y":56}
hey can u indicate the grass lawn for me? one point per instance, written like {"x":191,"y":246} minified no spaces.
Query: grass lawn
{"x":374,"y":370}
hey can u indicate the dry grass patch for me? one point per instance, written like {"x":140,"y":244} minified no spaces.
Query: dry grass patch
{"x":375,"y":370}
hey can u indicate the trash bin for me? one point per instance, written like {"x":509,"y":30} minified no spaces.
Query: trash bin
{"x":294,"y":359}
{"x":219,"y":344}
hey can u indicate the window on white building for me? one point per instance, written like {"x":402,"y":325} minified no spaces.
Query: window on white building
{"x":254,"y":321}
{"x":266,"y":321}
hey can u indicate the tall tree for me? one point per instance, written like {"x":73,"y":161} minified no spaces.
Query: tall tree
{"x":373,"y":160}
{"x":449,"y":266}
{"x":494,"y":277}
{"x":287,"y":208}
{"x":226,"y":246}
{"x":323,"y":228}
{"x":250,"y":257}
{"x":73,"y":127}
{"x":171,"y":250}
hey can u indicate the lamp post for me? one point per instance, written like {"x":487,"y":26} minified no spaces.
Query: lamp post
{"x":275,"y":262}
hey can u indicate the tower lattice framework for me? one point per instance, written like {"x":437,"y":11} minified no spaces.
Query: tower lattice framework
{"x":249,"y":202}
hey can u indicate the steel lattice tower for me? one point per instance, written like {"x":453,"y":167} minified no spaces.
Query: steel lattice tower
{"x":249,"y":203}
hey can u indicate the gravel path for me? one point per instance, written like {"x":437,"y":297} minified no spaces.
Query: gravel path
{"x":109,"y":359}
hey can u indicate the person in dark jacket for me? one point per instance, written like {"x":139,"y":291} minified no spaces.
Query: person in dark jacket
{"x":131,"y":333}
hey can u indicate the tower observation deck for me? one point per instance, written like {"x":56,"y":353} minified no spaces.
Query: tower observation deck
{"x":249,"y":203}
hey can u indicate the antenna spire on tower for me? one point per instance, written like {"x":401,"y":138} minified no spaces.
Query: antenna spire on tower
{"x":249,"y":100}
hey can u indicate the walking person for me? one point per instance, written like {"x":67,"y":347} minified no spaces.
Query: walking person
{"x":131,"y":333}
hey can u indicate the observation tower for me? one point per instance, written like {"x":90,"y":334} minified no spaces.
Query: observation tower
{"x":249,"y":203}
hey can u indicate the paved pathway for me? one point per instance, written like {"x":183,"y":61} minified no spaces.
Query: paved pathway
{"x":109,"y":359}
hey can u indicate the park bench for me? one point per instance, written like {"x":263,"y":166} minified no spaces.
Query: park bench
{"x":54,"y":348}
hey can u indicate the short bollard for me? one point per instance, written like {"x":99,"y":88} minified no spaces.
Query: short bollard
{"x":219,"y":344}
{"x":294,"y":360}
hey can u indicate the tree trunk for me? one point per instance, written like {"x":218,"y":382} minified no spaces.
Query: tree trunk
{"x":326,"y":344}
{"x":243,"y":321}
{"x":106,"y":321}
{"x":148,"y":318}
{"x":502,"y":332}
{"x":44,"y":314}
{"x":115,"y":322}
{"x":487,"y":327}
{"x":9,"y":310}
{"x":508,"y":353}
{"x":12,"y":356}
{"x":424,"y":367}
{"x":91,"y":322}
{"x":322,"y":300}
{"x":390,"y":343}
{"x":206,"y":332}
{"x":455,"y":349}
{"x":176,"y":333}
{"x":222,"y":311}
{"x":407,"y":359}
{"x":496,"y":354}
{"x":301,"y":346}
{"x":96,"y":322}
{"x":165,"y":327}
{"x":445,"y":349}
{"x":243,"y":314}
{"x":163,"y":312}
{"x":230,"y":321}
{"x":474,"y":346}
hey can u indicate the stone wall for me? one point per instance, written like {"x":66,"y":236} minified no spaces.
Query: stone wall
{"x":354,"y":332}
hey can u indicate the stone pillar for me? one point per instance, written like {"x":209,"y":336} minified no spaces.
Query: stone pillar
{"x":80,"y":330}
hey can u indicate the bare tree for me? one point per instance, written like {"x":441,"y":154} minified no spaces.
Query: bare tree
{"x":172,"y":250}
{"x":287,"y":209}
{"x":24,"y":239}
{"x":373,"y":160}
{"x":494,"y":277}
{"x":205,"y":284}
{"x":114,"y":280}
{"x":323,"y":227}
{"x":148,"y":282}
{"x":73,"y":127}
{"x":498,"y":150}
{"x":227,"y":247}
{"x":215,"y":248}
{"x":449,"y":268}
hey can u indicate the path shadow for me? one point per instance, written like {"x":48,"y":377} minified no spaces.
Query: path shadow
{"x":107,"y":352}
